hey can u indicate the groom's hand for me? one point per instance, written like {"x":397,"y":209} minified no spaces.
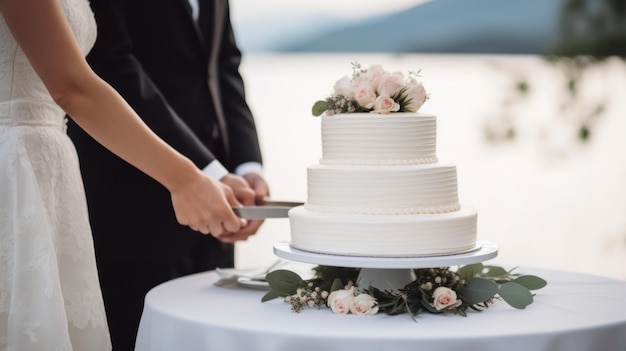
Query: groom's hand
{"x":246,"y":194}
{"x":259,"y":185}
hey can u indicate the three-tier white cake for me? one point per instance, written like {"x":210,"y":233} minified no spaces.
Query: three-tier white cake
{"x":380,"y":191}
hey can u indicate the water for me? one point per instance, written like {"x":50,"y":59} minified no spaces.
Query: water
{"x":544,"y":197}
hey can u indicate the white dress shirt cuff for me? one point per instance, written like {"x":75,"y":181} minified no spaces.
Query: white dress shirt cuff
{"x":249,"y":167}
{"x":215,"y":170}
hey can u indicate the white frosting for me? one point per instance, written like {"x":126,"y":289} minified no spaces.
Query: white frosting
{"x":381,"y":162}
{"x":382,"y":190}
{"x":383,"y":236}
{"x":374,"y":139}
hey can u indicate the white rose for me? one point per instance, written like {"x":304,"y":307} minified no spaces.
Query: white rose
{"x":385,"y":104}
{"x":389,"y":84}
{"x":343,"y":87}
{"x":364,"y":305}
{"x":365,"y":96}
{"x":340,"y":301}
{"x":374,"y":72}
{"x":445,"y":298}
{"x":416,"y":94}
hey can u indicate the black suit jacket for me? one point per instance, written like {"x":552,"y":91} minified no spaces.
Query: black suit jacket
{"x":182,"y":79}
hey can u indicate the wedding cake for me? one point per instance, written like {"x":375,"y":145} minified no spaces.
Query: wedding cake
{"x":379,"y":189}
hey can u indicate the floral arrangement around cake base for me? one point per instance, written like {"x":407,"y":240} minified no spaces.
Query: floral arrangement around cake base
{"x":435,"y":290}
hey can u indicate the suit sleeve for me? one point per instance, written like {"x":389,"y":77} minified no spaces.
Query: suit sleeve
{"x":113,"y":60}
{"x":244,"y":143}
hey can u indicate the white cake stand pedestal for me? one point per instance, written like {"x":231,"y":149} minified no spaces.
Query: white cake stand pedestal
{"x":388,"y":273}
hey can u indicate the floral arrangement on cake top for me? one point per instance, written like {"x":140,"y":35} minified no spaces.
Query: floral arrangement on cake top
{"x":373,"y":90}
{"x":435,"y":290}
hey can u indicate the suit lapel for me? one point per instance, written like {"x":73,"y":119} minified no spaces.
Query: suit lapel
{"x":209,"y":31}
{"x":216,"y":17}
{"x":194,"y":23}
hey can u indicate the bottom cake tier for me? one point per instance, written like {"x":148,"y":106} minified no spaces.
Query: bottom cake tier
{"x":383,"y":235}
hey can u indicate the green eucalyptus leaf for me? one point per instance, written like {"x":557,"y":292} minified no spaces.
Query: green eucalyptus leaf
{"x":319,"y":108}
{"x":531,"y":282}
{"x":271,"y":296}
{"x":495,"y":271}
{"x":478,"y":290}
{"x":471,"y":270}
{"x":337,"y":285}
{"x":284,"y":281}
{"x":329,"y":274}
{"x":515,"y":295}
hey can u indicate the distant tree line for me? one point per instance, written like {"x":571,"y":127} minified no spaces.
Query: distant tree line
{"x":593,"y":27}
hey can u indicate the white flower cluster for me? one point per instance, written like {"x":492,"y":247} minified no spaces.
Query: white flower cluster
{"x":309,"y":297}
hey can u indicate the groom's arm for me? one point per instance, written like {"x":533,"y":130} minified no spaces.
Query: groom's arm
{"x":242,"y":133}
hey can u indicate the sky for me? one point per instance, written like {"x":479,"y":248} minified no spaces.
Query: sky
{"x":260,"y":25}
{"x":249,"y":10}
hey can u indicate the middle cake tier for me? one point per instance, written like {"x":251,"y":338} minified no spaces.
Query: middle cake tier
{"x":382,"y":190}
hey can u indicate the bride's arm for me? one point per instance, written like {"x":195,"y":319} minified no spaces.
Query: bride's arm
{"x":43,"y":33}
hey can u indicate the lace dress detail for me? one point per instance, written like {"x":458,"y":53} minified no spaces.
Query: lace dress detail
{"x":50,"y":296}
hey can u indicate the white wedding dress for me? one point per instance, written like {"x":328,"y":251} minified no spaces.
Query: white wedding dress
{"x":50,"y":297}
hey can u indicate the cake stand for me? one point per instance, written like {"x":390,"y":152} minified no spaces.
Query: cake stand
{"x":388,"y":273}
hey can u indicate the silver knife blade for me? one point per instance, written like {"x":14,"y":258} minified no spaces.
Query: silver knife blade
{"x":270,"y":209}
{"x":282,"y":203}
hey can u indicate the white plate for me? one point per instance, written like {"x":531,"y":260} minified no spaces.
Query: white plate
{"x":483,"y":251}
{"x":232,"y":273}
{"x":253,"y":283}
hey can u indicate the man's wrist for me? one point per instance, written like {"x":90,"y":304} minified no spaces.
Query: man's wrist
{"x":215,"y":170}
{"x":249,"y":167}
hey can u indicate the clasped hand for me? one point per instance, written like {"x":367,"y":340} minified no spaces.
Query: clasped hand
{"x":250,"y":190}
{"x":205,"y":205}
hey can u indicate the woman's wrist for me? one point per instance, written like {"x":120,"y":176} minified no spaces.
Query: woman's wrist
{"x":184,"y":173}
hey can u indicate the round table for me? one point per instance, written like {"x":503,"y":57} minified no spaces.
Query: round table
{"x":574,"y":312}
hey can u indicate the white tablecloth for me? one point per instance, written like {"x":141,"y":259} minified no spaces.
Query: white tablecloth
{"x":575,"y":312}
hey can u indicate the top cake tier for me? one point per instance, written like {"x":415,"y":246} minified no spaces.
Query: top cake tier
{"x":375,"y":139}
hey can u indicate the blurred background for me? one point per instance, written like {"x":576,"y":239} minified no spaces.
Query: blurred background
{"x":530,"y":98}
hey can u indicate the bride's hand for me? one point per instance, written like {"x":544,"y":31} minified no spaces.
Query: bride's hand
{"x":205,"y":206}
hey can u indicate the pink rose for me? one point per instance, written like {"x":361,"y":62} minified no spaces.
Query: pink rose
{"x":445,"y":298}
{"x":364,"y":305}
{"x":385,"y":104}
{"x":389,"y":84}
{"x":417,"y":95}
{"x":340,"y":301}
{"x":365,"y":96}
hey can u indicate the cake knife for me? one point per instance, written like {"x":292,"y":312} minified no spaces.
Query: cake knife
{"x":269,"y":209}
